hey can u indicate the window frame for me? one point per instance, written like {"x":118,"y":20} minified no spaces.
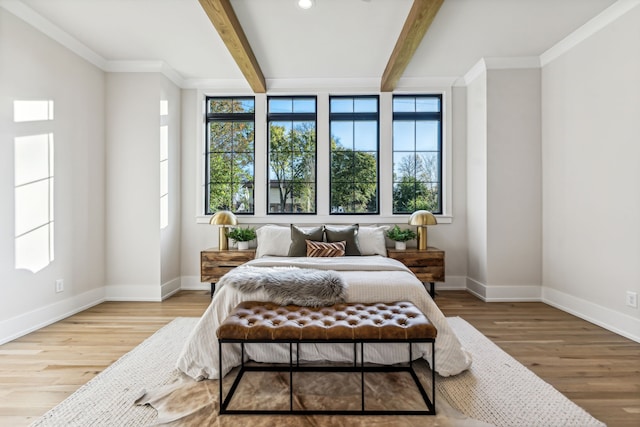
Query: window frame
{"x":291,"y":117}
{"x":355,"y":117}
{"x":227,"y":118}
{"x":415,"y":117}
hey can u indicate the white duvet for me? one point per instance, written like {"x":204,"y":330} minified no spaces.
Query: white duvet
{"x":370,"y":279}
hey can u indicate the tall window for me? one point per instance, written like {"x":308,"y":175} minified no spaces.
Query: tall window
{"x":292,"y":155}
{"x":230,"y":154}
{"x":33,"y":185}
{"x":354,"y":154}
{"x":164,"y":163}
{"x":417,"y":153}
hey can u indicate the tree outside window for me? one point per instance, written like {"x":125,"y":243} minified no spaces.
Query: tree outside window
{"x":354,"y":154}
{"x":292,"y":155}
{"x":230,"y":155}
{"x":417,"y":153}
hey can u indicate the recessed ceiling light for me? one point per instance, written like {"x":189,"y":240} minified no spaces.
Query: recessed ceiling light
{"x":305,"y":4}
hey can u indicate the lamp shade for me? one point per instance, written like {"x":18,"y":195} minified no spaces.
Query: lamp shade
{"x":422,"y":217}
{"x":224,"y":218}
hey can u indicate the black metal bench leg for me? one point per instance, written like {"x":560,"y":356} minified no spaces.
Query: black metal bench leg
{"x":290,"y":378}
{"x":220,"y":372}
{"x":362,"y":371}
{"x":433,"y":375}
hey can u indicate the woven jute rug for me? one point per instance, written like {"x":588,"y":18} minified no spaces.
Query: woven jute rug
{"x":496,"y":390}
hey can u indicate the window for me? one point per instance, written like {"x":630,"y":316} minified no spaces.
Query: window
{"x":164,"y":163}
{"x":292,"y":155}
{"x":417,"y":153}
{"x":34,"y":185}
{"x":354,"y":154}
{"x":230,"y":155}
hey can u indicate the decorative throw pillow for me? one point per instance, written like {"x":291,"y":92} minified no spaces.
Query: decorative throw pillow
{"x":347,"y":233}
{"x":371,"y":240}
{"x":323,"y":249}
{"x":273,"y":240}
{"x":298,"y":245}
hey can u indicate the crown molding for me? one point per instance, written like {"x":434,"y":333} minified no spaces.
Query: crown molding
{"x":368,"y":84}
{"x":512,"y":63}
{"x":473,"y":73}
{"x":498,"y":63}
{"x":51,"y":30}
{"x":145,"y":67}
{"x":422,"y":83}
{"x":606,"y":17}
{"x":218,"y":85}
{"x":600,"y":21}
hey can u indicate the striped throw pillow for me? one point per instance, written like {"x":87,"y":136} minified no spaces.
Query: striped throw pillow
{"x":322,"y":249}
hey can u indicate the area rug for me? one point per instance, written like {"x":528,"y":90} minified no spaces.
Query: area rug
{"x":497,"y":390}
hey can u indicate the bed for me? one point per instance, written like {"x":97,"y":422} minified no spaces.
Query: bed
{"x":370,"y":278}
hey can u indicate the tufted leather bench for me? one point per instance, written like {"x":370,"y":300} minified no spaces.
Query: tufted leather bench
{"x":357,"y":323}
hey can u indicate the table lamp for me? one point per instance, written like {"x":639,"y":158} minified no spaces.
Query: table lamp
{"x":223,"y":218}
{"x":421,"y":219}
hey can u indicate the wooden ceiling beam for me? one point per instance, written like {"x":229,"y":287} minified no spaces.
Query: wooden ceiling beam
{"x":415,"y":27}
{"x":226,"y":23}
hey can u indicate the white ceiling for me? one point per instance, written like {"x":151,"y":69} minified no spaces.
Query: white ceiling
{"x":336,"y":39}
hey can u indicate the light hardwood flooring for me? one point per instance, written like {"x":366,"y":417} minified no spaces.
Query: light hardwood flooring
{"x":597,"y":369}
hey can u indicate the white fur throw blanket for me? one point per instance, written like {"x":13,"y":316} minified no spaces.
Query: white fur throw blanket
{"x":289,"y":285}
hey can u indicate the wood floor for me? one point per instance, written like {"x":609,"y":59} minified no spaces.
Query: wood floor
{"x":597,"y":369}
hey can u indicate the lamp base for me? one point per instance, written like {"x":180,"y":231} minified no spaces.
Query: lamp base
{"x":223,"y":242}
{"x":422,"y":238}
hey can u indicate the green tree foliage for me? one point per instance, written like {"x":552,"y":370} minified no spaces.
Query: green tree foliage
{"x":353,"y":180}
{"x":412,"y":188}
{"x":292,"y":166}
{"x":231,"y":162}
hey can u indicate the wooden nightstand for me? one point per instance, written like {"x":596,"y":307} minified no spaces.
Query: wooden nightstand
{"x":215,"y":263}
{"x":428,"y":266}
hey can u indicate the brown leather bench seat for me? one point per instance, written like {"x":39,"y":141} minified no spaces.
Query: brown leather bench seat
{"x":357,"y":323}
{"x":253,"y":320}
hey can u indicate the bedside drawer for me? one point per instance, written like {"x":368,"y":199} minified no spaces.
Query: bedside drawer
{"x":215,"y":263}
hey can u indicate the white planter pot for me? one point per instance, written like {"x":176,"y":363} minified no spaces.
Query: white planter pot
{"x":243,"y":246}
{"x":401,"y":246}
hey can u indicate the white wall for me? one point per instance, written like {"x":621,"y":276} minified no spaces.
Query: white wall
{"x":514,"y":186}
{"x":195,"y":237}
{"x":504,"y":184}
{"x":170,"y":236}
{"x":591,"y":152}
{"x":33,"y":67}
{"x":477,"y":182}
{"x":133,"y":186}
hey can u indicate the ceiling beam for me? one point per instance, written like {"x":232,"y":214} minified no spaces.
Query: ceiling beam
{"x":415,"y":27}
{"x":226,"y":23}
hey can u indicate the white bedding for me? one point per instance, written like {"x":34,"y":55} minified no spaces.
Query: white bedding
{"x":370,"y":279}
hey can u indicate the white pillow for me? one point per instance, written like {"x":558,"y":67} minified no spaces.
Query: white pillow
{"x":371,"y":240}
{"x":273,"y":240}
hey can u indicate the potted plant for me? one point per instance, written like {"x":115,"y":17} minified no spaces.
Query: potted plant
{"x":400,"y":236}
{"x":242,"y":236}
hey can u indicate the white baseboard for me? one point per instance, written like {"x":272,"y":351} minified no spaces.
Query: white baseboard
{"x":25,"y":323}
{"x":504,"y":293}
{"x":619,"y":323}
{"x":452,"y":283}
{"x":150,"y":293}
{"x":614,"y":321}
{"x":171,"y":287}
{"x":193,"y":283}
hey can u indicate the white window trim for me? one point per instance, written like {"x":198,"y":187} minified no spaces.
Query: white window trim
{"x":322,"y":179}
